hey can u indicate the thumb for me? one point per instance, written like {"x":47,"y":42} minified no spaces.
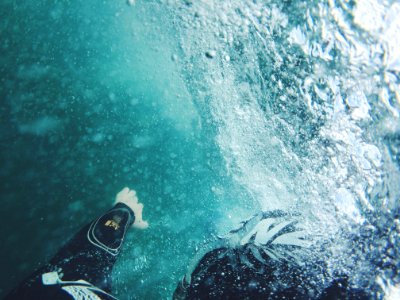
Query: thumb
{"x":140,"y":224}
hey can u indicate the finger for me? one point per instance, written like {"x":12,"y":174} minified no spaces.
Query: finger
{"x":138,"y":211}
{"x":132,"y":192}
{"x":144,"y":224}
{"x":123,"y":192}
{"x":132,"y":196}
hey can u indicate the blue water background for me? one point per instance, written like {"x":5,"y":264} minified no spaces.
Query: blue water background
{"x":209,"y":112}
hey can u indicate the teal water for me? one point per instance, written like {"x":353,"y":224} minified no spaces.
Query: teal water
{"x":212,"y":111}
{"x":90,"y":107}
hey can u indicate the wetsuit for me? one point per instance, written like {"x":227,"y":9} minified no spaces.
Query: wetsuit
{"x":266,"y":257}
{"x":236,"y":274}
{"x":82,"y":268}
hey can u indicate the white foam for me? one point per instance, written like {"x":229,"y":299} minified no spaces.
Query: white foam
{"x":346,"y":204}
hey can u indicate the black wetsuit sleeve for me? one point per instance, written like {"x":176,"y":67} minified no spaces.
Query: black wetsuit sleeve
{"x":90,"y":255}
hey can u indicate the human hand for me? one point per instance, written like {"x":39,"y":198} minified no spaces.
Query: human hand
{"x":129,"y":198}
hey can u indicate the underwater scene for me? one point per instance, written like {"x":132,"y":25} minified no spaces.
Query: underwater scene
{"x":213,"y":111}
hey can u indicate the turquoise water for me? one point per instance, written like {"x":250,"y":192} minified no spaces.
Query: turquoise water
{"x":212,"y":111}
